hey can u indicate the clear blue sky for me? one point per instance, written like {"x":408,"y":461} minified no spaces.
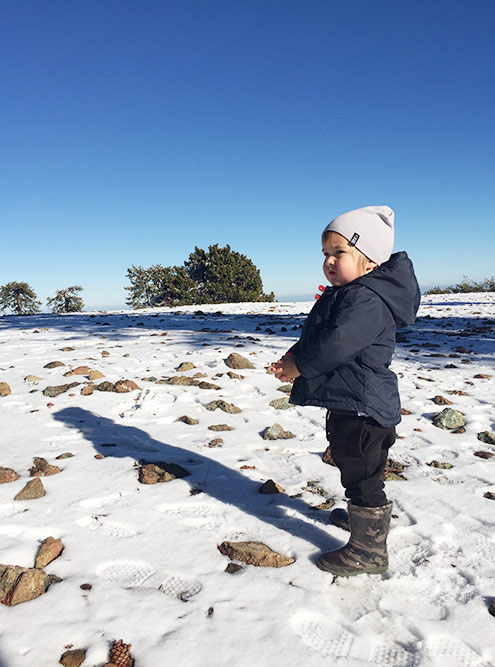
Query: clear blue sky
{"x":135,"y":130}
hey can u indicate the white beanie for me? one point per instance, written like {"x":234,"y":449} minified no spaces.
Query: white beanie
{"x":370,"y":229}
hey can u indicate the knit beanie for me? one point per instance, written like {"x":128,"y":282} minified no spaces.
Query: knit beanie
{"x":370,"y":229}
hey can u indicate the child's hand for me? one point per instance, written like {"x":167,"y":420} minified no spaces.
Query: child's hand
{"x":285,"y":369}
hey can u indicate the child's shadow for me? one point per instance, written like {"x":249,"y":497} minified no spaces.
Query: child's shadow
{"x":224,"y":484}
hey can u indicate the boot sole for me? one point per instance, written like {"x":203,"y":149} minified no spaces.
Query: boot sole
{"x":347,"y":573}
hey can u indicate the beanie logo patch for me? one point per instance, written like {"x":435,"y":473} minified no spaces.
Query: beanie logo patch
{"x":355,"y":239}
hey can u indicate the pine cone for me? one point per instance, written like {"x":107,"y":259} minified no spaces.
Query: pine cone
{"x":120,"y":654}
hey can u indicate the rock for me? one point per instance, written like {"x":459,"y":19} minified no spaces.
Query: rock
{"x":105,"y":353}
{"x":5,"y":389}
{"x":54,"y":364}
{"x":208,"y":385}
{"x":237,"y":361}
{"x":7,"y":475}
{"x":391,"y":475}
{"x":80,"y":370}
{"x":32,"y":378}
{"x":490,"y":495}
{"x":443,"y":465}
{"x":33,"y":489}
{"x":276,"y":432}
{"x":216,"y":442}
{"x":156,"y":473}
{"x":254,"y":553}
{"x":235,"y":376}
{"x":441,"y":400}
{"x":484,"y":455}
{"x":67,"y":349}
{"x":65,"y":455}
{"x":88,"y":389}
{"x":482,"y":376}
{"x":449,"y":419}
{"x":285,"y":388}
{"x":330,"y":502}
{"x":457,"y":392}
{"x":48,"y":551}
{"x":220,"y":427}
{"x":21,"y":584}
{"x":232,"y":568}
{"x":486,"y":437}
{"x":281,"y":403}
{"x":270,"y":487}
{"x":95,"y":375}
{"x":73,"y":658}
{"x":223,"y":405}
{"x":188,"y":420}
{"x":182,"y":380}
{"x":491,"y":608}
{"x":124,"y":386}
{"x":42,"y":468}
{"x":105,"y":386}
{"x":53,"y":391}
{"x":185,"y":366}
{"x":150,"y":378}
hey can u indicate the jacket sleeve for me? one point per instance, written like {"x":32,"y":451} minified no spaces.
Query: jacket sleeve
{"x":357,"y":322}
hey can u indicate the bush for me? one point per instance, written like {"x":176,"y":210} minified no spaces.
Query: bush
{"x":465,"y":287}
{"x":20,"y":298}
{"x":218,"y":275}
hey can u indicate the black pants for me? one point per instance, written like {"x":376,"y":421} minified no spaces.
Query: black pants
{"x":359,"y":448}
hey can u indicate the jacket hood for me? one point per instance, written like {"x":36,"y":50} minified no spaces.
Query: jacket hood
{"x":395,"y":283}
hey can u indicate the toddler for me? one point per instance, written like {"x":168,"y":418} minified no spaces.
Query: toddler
{"x":341,"y":362}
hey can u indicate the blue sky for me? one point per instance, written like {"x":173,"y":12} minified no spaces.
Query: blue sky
{"x":134,"y":130}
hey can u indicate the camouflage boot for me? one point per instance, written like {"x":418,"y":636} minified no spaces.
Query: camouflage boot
{"x":340,"y":518}
{"x":366,"y":551}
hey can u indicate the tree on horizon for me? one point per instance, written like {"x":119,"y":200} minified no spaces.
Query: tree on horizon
{"x":66,"y":300}
{"x":20,"y":298}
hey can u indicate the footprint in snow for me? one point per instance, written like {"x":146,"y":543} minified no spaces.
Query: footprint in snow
{"x":112,"y":499}
{"x":9,"y":509}
{"x":331,"y":640}
{"x":111,"y":528}
{"x":139,"y":574}
{"x":448,"y":650}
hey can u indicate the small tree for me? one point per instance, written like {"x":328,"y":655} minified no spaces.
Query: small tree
{"x":225,"y":276}
{"x":20,"y":298}
{"x":66,"y":300}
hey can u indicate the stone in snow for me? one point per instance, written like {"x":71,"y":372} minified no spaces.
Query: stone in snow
{"x":21,"y":584}
{"x":54,"y":364}
{"x":188,"y":420}
{"x":5,"y":389}
{"x":237,"y":361}
{"x":230,"y":408}
{"x":276,"y":432}
{"x":53,"y":391}
{"x":49,"y":549}
{"x":79,"y":370}
{"x":8,"y":475}
{"x":185,"y":366}
{"x":487,"y":437}
{"x":281,"y":404}
{"x":449,"y":419}
{"x":41,"y":468}
{"x":254,"y":553}
{"x":270,"y":487}
{"x":159,"y":472}
{"x":33,"y":489}
{"x":73,"y":658}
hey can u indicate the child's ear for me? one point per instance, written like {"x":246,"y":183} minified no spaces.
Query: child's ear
{"x":370,"y":266}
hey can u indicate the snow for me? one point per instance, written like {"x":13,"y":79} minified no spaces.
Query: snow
{"x":150,"y":552}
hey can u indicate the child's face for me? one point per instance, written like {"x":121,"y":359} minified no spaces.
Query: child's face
{"x":343,"y":263}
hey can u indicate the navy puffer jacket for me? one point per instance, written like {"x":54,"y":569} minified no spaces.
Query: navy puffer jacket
{"x":348,"y":339}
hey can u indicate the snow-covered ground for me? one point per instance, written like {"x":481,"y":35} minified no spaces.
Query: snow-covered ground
{"x":150,"y":552}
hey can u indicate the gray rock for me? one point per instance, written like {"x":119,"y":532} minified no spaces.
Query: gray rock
{"x":230,"y":408}
{"x":443,"y":465}
{"x":449,"y":419}
{"x":65,"y":455}
{"x":281,"y":403}
{"x":41,"y":468}
{"x":276,"y":432}
{"x":220,"y":427}
{"x":21,"y":584}
{"x":53,"y":391}
{"x":486,"y":437}
{"x":73,"y":658}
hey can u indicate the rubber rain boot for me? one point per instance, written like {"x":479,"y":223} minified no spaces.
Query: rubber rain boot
{"x":366,"y":551}
{"x":340,"y":518}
